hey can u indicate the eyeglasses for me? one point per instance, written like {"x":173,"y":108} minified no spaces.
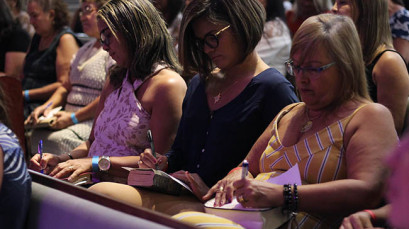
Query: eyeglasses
{"x":211,"y":40}
{"x":104,"y":39}
{"x":87,"y":10}
{"x":312,"y":72}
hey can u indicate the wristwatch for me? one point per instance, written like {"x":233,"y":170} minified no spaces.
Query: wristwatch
{"x":104,"y":163}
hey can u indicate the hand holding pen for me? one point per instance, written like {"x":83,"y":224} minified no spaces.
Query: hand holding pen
{"x":40,"y":151}
{"x":244,"y":169}
{"x":150,"y":139}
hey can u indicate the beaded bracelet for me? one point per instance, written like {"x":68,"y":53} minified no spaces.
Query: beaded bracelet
{"x":74,"y":119}
{"x":290,"y":198}
{"x":295,"y":199}
{"x":287,"y":197}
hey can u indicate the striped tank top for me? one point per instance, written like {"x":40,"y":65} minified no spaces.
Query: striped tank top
{"x":320,"y":157}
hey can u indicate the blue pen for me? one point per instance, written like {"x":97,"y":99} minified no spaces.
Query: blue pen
{"x":244,"y":169}
{"x":40,"y":151}
{"x":48,"y":105}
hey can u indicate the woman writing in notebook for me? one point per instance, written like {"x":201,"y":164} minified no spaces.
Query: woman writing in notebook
{"x":337,"y":137}
{"x":144,"y":91}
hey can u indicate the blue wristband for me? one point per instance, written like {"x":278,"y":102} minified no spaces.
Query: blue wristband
{"x":26,"y":96}
{"x":74,"y":119}
{"x":95,"y":167}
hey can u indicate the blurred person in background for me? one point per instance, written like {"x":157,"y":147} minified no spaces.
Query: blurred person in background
{"x":14,"y":42}
{"x":52,"y":48}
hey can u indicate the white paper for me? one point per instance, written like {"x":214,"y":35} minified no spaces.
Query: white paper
{"x":291,"y":176}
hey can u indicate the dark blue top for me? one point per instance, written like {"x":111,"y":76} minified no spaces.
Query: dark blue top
{"x":212,"y":143}
{"x":15,"y":189}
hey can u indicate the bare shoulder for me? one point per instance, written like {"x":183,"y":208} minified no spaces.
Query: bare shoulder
{"x":374,"y":109}
{"x":374,"y":116}
{"x":389,"y":62}
{"x":167,"y":79}
{"x":67,"y":39}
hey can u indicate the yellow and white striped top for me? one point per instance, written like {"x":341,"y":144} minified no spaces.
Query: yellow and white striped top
{"x":320,"y":157}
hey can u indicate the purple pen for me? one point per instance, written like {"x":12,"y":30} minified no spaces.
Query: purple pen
{"x":244,"y":169}
{"x":40,"y":151}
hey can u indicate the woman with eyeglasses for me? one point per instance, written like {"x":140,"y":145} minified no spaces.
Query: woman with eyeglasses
{"x":337,"y":137}
{"x":80,"y":96}
{"x":47,"y":63}
{"x":228,"y":104}
{"x":144,"y":92}
{"x":386,"y":70}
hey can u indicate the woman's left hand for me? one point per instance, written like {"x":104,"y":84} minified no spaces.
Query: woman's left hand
{"x":63,"y":120}
{"x":72,"y":168}
{"x":194,"y":181}
{"x":258,"y":194}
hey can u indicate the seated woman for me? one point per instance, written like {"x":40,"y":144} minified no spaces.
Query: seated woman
{"x":143,"y":92}
{"x":275,"y":44}
{"x":228,"y":103}
{"x":14,"y":42}
{"x":47,"y":63}
{"x":386,"y":71}
{"x":337,"y":137}
{"x":80,"y":96}
{"x":15,"y":182}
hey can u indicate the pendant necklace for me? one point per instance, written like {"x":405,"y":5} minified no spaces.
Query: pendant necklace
{"x":307,"y":126}
{"x":218,"y":97}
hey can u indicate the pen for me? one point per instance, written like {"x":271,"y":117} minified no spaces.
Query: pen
{"x":150,"y":139}
{"x":48,"y":105}
{"x":244,"y":169}
{"x":40,"y":151}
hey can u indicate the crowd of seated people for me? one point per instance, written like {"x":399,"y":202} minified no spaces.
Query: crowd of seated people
{"x":209,"y":79}
{"x":80,"y":95}
{"x":47,"y":63}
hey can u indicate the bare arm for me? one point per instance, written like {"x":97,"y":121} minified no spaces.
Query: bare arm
{"x":13,"y":65}
{"x":392,"y":80}
{"x":164,"y":97}
{"x":65,"y":51}
{"x":368,"y":138}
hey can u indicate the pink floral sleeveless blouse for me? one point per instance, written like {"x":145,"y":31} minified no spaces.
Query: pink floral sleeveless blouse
{"x":120,"y":129}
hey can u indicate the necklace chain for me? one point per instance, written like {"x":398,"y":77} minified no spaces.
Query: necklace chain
{"x":307,"y":126}
{"x":218,"y":97}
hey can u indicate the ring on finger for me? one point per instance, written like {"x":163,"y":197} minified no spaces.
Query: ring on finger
{"x":71,"y":168}
{"x":221,"y":188}
{"x":241,"y":199}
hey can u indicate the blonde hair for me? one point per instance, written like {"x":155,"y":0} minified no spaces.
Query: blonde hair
{"x":337,"y":35}
{"x":372,"y":21}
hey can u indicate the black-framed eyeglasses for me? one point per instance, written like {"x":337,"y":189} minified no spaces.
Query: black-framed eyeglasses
{"x":104,"y":39}
{"x":312,"y":72}
{"x":87,"y":10}
{"x":211,"y":40}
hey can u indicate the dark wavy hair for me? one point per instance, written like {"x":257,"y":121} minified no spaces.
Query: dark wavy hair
{"x":145,"y":35}
{"x":7,"y":23}
{"x":60,"y":8}
{"x":245,"y":17}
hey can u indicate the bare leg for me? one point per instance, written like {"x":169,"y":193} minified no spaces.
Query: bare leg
{"x":167,"y":204}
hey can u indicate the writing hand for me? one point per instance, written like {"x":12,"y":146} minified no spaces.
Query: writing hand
{"x":47,"y":162}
